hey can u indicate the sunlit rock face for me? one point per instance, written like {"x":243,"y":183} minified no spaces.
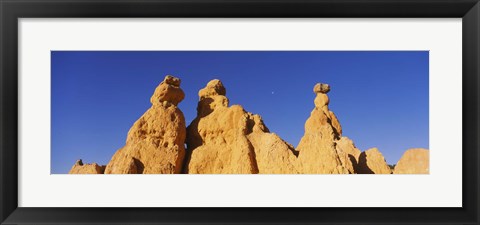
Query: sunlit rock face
{"x":372,"y":161}
{"x":413,"y":161}
{"x":155,"y":142}
{"x":80,"y":168}
{"x":348,"y":154}
{"x":317,"y":148}
{"x":223,"y":139}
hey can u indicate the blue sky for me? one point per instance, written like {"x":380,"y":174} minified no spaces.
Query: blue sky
{"x":379,"y":97}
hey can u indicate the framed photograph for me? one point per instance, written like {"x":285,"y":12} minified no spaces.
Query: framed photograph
{"x":251,"y":112}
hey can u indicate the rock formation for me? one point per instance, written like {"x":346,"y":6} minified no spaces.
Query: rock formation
{"x":372,"y":161}
{"x":317,"y":152}
{"x":348,"y":154}
{"x":230,"y":140}
{"x":413,"y":161}
{"x":80,"y":168}
{"x":155,"y":142}
{"x":224,"y":139}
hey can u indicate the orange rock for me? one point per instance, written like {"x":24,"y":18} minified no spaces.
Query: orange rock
{"x":273,"y":155}
{"x":372,"y":161}
{"x":230,"y":140}
{"x":224,"y":139}
{"x":321,"y":88}
{"x":348,"y":154}
{"x":413,"y":161}
{"x":168,"y":91}
{"x":214,"y":88}
{"x":80,"y":168}
{"x":317,"y":152}
{"x":155,"y":142}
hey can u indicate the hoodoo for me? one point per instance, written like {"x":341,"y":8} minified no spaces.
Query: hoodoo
{"x":155,"y":142}
{"x":317,"y":153}
{"x":223,"y":139}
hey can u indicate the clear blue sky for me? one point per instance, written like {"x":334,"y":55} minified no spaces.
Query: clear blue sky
{"x":380,"y":98}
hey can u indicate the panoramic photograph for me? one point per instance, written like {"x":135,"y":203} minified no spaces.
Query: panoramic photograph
{"x":240,"y":112}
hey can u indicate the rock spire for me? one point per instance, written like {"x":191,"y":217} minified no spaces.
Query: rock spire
{"x":317,"y":151}
{"x":155,"y":142}
{"x":223,"y":139}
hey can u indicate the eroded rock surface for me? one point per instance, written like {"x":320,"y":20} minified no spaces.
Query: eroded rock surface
{"x":321,"y":88}
{"x":155,"y":142}
{"x":80,"y":168}
{"x":317,"y":153}
{"x":223,"y":139}
{"x":372,"y":161}
{"x":348,"y":154}
{"x":413,"y":161}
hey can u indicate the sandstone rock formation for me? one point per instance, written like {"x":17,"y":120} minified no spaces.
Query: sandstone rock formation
{"x":413,"y":161}
{"x":372,"y":161}
{"x":80,"y":168}
{"x":317,"y":152}
{"x":168,"y":91}
{"x":155,"y":142}
{"x":321,"y":88}
{"x":224,"y":139}
{"x":348,"y":154}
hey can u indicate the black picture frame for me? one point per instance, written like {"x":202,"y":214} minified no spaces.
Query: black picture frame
{"x":12,"y":10}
